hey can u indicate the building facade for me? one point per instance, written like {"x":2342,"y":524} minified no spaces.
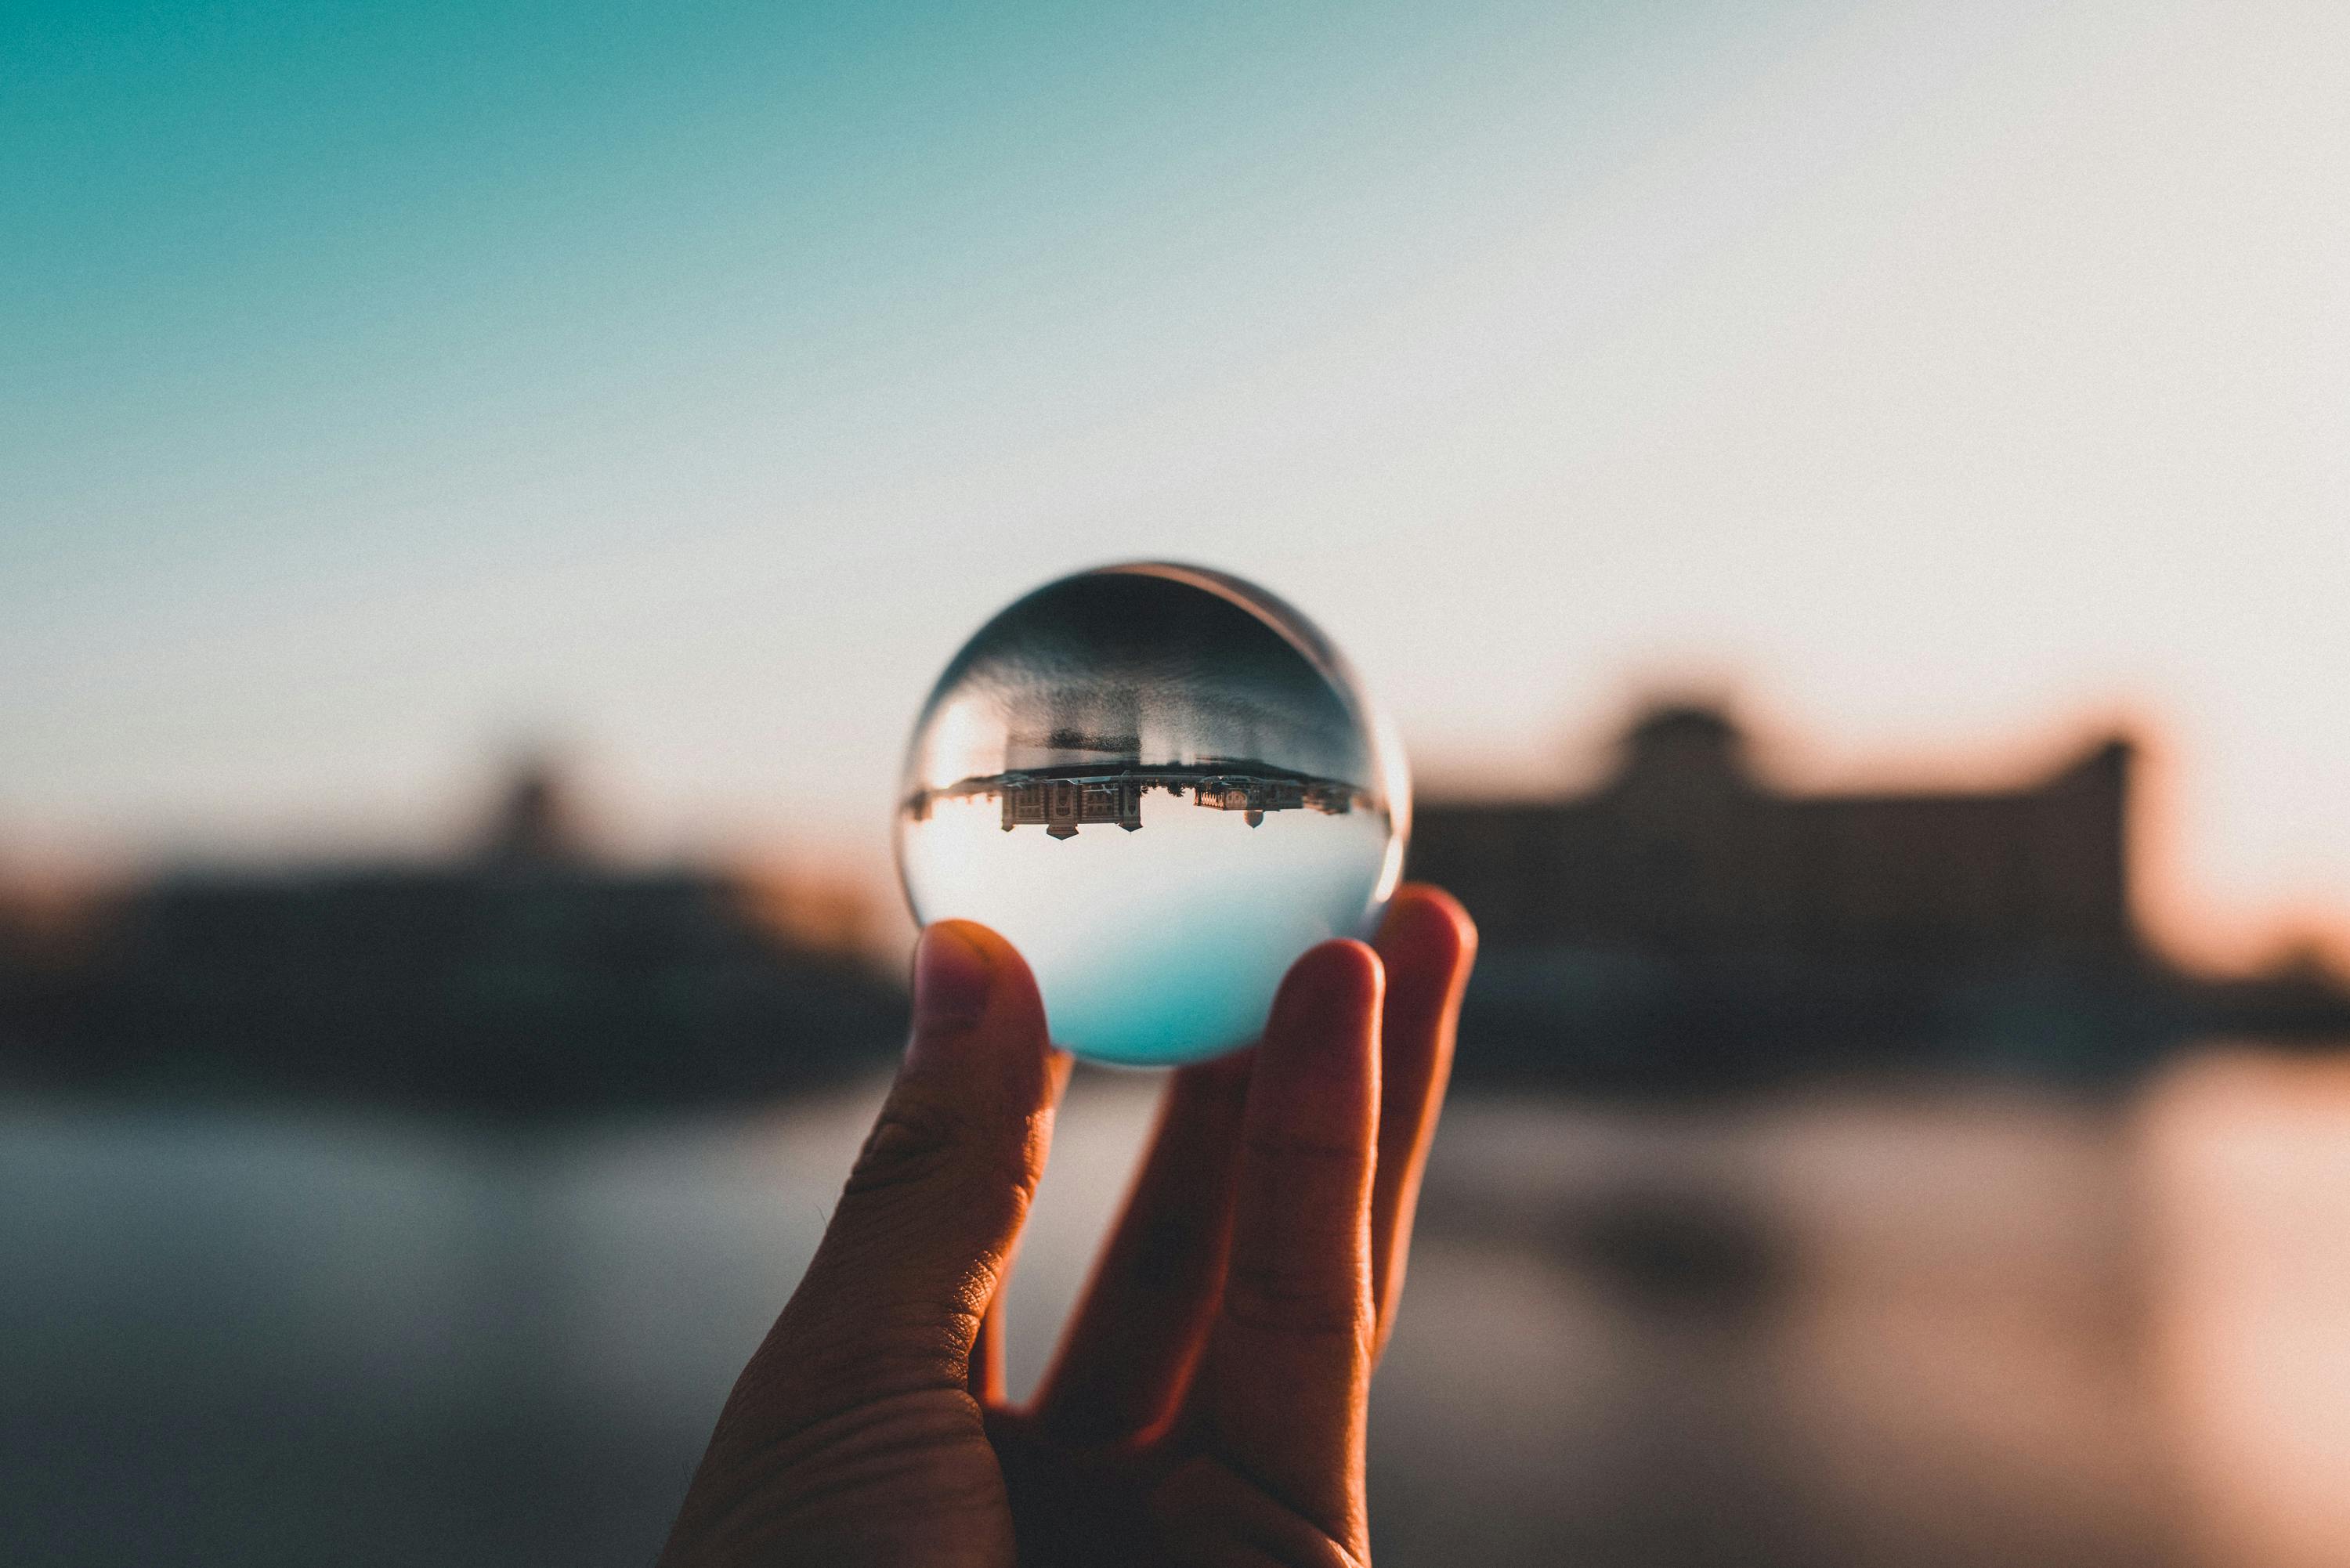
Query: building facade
{"x":1686,"y":852}
{"x":1064,"y":806}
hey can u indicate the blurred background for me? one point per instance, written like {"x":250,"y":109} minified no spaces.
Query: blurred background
{"x":1847,"y":503}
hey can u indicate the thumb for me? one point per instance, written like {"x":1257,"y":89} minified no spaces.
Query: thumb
{"x":926,"y":1225}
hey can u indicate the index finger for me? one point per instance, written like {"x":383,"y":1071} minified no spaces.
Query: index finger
{"x":1289,"y":1362}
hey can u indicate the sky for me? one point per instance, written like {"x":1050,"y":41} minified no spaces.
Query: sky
{"x":385,"y":388}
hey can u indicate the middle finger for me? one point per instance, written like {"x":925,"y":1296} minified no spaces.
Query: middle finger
{"x":1130,"y":1348}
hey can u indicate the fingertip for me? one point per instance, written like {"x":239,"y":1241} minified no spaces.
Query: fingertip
{"x":970,"y":984}
{"x":1324,"y":1023}
{"x":1334,"y":975}
{"x":985,"y":938}
{"x":1427,"y":924}
{"x":1015,"y":983}
{"x":954,"y":972}
{"x":1343,"y":960}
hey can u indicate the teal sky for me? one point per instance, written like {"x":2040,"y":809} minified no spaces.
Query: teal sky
{"x":383,"y":386}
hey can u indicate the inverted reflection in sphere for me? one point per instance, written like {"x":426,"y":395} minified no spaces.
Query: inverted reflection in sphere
{"x":1162,"y":784}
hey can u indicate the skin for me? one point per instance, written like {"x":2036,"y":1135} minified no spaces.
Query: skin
{"x":1208,"y":1405}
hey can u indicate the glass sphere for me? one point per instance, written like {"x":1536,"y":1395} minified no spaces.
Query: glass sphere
{"x":1162,"y":784}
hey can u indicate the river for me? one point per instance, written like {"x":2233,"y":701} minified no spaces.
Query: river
{"x":1884,"y":1326}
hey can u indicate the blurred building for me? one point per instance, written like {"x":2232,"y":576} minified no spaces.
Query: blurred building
{"x":529,"y":974}
{"x":1689,"y":921}
{"x":1686,"y":850}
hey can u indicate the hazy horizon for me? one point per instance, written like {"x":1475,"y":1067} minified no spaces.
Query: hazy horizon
{"x":388,"y":389}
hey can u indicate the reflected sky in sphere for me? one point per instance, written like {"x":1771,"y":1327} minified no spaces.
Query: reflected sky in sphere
{"x":1162,"y":784}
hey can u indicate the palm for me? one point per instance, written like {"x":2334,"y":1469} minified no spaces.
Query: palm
{"x":1112,"y":1506}
{"x":1074,"y":1508}
{"x":1208,"y":1403}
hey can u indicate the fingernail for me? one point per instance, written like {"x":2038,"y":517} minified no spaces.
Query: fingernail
{"x":953,"y":975}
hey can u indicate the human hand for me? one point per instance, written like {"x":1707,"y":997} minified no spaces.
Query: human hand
{"x":1209,"y":1401}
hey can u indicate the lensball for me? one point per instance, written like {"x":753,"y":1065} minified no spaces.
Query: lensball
{"x":1162,"y":784}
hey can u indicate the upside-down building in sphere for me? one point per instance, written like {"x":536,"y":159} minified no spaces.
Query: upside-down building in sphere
{"x":1062,"y":801}
{"x":1064,"y":806}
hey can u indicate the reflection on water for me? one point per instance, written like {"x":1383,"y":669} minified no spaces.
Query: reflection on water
{"x":1841,"y":1330}
{"x":2250,"y":1198}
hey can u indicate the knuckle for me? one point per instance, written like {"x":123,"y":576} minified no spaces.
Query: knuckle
{"x":913,"y":1141}
{"x":922,"y":1144}
{"x":1280,"y":1148}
